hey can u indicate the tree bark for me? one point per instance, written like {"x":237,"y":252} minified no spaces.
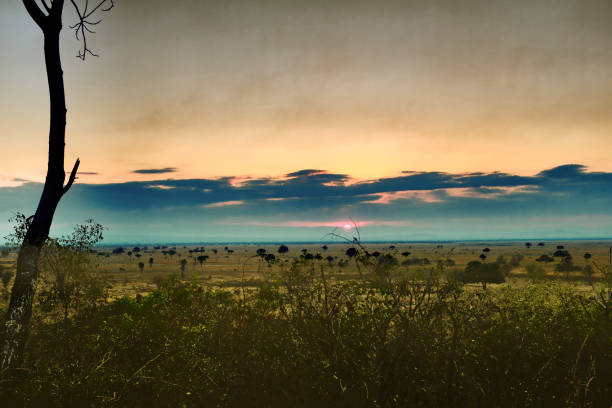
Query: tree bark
{"x":17,"y":321}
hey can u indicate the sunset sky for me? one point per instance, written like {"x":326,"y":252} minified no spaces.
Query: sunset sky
{"x":272,"y":120}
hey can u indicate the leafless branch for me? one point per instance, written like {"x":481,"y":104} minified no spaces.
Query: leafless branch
{"x":72,"y":176}
{"x":85,"y":23}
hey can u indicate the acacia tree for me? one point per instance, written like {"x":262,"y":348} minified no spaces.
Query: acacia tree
{"x":48,"y":17}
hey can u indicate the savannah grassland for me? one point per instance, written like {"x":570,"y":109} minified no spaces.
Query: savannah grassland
{"x":377,"y":329}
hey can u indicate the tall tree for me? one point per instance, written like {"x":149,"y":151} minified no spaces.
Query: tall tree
{"x":48,"y":17}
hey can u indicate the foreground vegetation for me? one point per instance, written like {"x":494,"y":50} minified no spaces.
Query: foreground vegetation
{"x":417,"y":340}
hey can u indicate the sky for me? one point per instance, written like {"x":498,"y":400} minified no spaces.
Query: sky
{"x":281,"y":120}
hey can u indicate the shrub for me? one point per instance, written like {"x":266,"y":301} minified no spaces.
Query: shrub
{"x":535,"y":272}
{"x":545,"y":258}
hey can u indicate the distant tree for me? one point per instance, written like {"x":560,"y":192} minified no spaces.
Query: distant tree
{"x":141,"y":266}
{"x":540,"y":244}
{"x":324,"y":247}
{"x":201,"y":259}
{"x":151,"y":262}
{"x":118,"y":251}
{"x":528,"y":245}
{"x":405,"y":253}
{"x":560,"y":247}
{"x":269,"y":258}
{"x":562,"y":253}
{"x":261,"y":252}
{"x":483,"y":273}
{"x":283,"y":249}
{"x":486,"y":250}
{"x":329,"y":259}
{"x":483,"y":256}
{"x":351,"y":252}
{"x":587,"y":256}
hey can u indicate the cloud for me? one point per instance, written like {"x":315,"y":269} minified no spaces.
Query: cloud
{"x":466,"y":203}
{"x":224,"y":204}
{"x":156,"y":171}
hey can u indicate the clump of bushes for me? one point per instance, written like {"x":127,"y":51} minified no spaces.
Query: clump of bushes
{"x":414,"y":339}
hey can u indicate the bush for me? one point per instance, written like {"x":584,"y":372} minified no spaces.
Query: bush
{"x":419,"y":342}
{"x":545,"y":258}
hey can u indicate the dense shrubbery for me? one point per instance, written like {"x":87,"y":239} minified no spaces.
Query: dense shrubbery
{"x":414,"y":340}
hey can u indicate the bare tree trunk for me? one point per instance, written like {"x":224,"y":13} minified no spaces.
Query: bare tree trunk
{"x":17,"y":321}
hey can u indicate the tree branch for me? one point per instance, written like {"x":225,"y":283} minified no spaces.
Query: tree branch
{"x":72,"y":177}
{"x":35,"y":12}
{"x":84,"y":25}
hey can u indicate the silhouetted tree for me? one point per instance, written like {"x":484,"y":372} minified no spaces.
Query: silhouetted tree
{"x":151,"y":262}
{"x":283,"y":249}
{"x":17,"y":320}
{"x":528,"y":245}
{"x":269,"y":258}
{"x":141,"y":266}
{"x":351,"y":252}
{"x":201,"y":260}
{"x":562,"y":253}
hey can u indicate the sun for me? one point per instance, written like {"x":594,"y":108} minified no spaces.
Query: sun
{"x":347,"y":226}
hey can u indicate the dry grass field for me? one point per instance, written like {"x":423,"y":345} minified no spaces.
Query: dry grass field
{"x":233,"y":265}
{"x":237,"y":265}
